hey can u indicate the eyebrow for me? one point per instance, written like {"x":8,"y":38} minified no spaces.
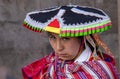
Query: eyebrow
{"x":48,"y":33}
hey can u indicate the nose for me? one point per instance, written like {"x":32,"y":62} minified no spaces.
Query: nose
{"x":59,"y":46}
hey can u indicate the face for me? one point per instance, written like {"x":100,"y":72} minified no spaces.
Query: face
{"x":66,"y":48}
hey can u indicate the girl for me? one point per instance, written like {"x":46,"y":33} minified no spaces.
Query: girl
{"x":72,"y":32}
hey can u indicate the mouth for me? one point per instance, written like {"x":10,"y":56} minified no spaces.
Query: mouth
{"x":62,"y":55}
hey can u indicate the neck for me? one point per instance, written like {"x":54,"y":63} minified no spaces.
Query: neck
{"x":81,"y":48}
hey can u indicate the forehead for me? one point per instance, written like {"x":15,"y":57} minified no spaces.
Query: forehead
{"x":57,"y":35}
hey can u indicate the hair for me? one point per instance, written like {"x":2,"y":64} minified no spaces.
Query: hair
{"x":87,"y":42}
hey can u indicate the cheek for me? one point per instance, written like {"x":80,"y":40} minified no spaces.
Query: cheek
{"x":73,"y":48}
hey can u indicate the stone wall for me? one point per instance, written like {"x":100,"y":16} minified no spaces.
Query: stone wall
{"x":119,"y":30}
{"x":19,"y":46}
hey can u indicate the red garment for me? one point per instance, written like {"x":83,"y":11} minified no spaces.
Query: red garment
{"x":32,"y":71}
{"x":39,"y":69}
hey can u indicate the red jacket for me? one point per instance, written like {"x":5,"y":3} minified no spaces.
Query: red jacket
{"x":34,"y":70}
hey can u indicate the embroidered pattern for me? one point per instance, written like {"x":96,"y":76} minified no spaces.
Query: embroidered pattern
{"x":73,"y":20}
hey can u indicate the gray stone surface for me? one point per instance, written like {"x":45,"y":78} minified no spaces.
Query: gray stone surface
{"x":19,"y":46}
{"x":119,"y":31}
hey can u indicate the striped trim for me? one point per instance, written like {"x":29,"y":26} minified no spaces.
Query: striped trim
{"x":102,"y":68}
{"x":114,"y":71}
{"x":93,"y":69}
{"x":35,"y":29}
{"x":75,"y":33}
{"x":87,"y":69}
{"x":81,"y":75}
{"x":77,"y":76}
{"x":107,"y":69}
{"x":52,"y":29}
{"x":68,"y":73}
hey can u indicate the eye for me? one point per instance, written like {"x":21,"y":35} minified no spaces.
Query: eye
{"x":51,"y":37}
{"x":65,"y":38}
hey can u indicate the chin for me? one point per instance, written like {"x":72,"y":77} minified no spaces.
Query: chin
{"x":65,"y":59}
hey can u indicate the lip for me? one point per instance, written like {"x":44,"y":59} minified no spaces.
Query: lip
{"x":62,"y":55}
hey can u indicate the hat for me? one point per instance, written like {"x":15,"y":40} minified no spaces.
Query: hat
{"x":69,"y":20}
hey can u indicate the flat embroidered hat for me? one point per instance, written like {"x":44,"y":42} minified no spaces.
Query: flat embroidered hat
{"x":70,"y":20}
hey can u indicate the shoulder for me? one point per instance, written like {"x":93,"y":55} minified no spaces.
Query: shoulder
{"x":35,"y":67}
{"x":106,"y":57}
{"x":110,"y":68}
{"x":105,"y":64}
{"x":102,"y":69}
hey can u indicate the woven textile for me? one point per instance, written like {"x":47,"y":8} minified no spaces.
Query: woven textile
{"x":70,"y":20}
{"x":49,"y":68}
